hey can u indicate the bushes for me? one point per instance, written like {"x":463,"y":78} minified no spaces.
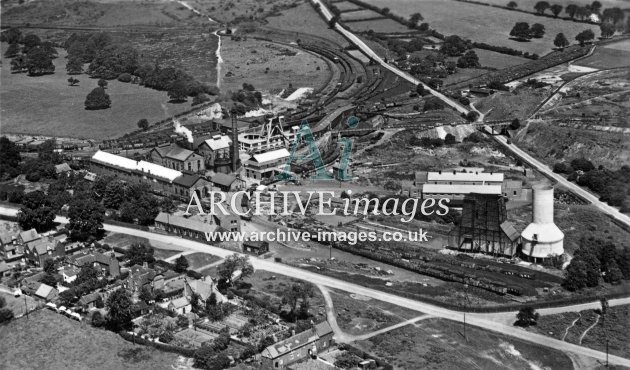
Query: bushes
{"x":433,"y":103}
{"x":187,"y":352}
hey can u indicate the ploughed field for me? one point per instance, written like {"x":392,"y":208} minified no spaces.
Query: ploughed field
{"x":482,"y":23}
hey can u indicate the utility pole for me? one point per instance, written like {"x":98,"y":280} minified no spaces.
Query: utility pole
{"x":465,"y":308}
{"x":26,"y":306}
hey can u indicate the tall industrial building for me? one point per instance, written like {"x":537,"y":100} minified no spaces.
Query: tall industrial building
{"x":542,"y":238}
{"x":484,"y":227}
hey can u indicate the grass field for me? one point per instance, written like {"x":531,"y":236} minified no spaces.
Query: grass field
{"x":346,"y":5}
{"x":362,"y":14}
{"x":18,"y":304}
{"x":482,"y":23}
{"x":46,"y":105}
{"x":386,"y":25}
{"x":496,"y":60}
{"x":47,"y":340}
{"x":105,"y":13}
{"x":439,"y":344}
{"x":304,"y":19}
{"x":613,"y":55}
{"x":269,"y":66}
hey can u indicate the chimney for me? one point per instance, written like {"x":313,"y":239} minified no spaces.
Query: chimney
{"x":234,"y":142}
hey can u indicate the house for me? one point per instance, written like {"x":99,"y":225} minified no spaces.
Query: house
{"x":41,"y":249}
{"x":46,"y":292}
{"x":139,"y":309}
{"x":139,"y":276}
{"x":10,"y":250}
{"x":27,"y":236}
{"x":179,"y":305}
{"x":89,"y":300}
{"x":298,"y":347}
{"x":203,"y":288}
{"x":107,"y":264}
{"x":265,"y":165}
{"x":217,"y":152}
{"x":69,"y":273}
{"x":62,"y":168}
{"x":196,"y":227}
{"x":255,"y":247}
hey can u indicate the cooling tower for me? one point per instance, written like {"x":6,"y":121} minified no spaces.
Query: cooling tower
{"x":542,"y":238}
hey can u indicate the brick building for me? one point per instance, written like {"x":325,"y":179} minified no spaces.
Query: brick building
{"x":297,"y":348}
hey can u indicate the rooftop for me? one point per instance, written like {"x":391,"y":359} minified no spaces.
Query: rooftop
{"x":465,"y":176}
{"x":130,"y":164}
{"x":180,"y":154}
{"x":186,"y":223}
{"x":222,"y":179}
{"x":187,"y":180}
{"x":271,"y":156}
{"x":460,"y":189}
{"x":219,"y":142}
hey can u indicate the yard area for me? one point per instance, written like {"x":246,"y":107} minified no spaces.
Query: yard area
{"x":465,"y":19}
{"x":47,"y":105}
{"x":18,"y":304}
{"x":440,"y":344}
{"x":49,"y":340}
{"x":496,"y":60}
{"x":357,"y":314}
{"x":197,"y":260}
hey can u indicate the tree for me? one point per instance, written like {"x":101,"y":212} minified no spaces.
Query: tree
{"x":571,"y":10}
{"x":49,"y":279}
{"x":97,"y":319}
{"x":181,"y":264}
{"x":30,"y":41}
{"x":297,"y":293}
{"x":97,"y":99}
{"x":556,"y":9}
{"x":119,"y":313}
{"x":607,"y":29}
{"x":582,"y":164}
{"x":537,"y":30}
{"x":561,"y":41}
{"x":36,"y":212}
{"x":102,"y":83}
{"x":521,"y":31}
{"x":468,"y":60}
{"x":596,"y":6}
{"x":541,"y":6}
{"x":12,"y":51}
{"x":613,"y":15}
{"x":575,"y":275}
{"x":138,"y":254}
{"x":5,"y":313}
{"x":526,"y":316}
{"x":454,"y":45}
{"x":85,"y":219}
{"x":613,"y":273}
{"x":233,"y":264}
{"x":450,"y":139}
{"x":74,"y":66}
{"x":112,"y":60}
{"x":73,"y":81}
{"x":420,"y":89}
{"x":39,"y":62}
{"x":414,"y":19}
{"x":585,"y":36}
{"x":512,"y":5}
{"x":143,"y":124}
{"x":146,"y":295}
{"x":178,"y":91}
{"x":49,"y":266}
{"x":11,"y":36}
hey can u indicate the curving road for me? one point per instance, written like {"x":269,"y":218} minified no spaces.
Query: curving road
{"x":485,"y":321}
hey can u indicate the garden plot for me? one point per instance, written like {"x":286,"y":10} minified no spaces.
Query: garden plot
{"x":484,"y":24}
{"x":361,"y":14}
{"x":385,"y":25}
